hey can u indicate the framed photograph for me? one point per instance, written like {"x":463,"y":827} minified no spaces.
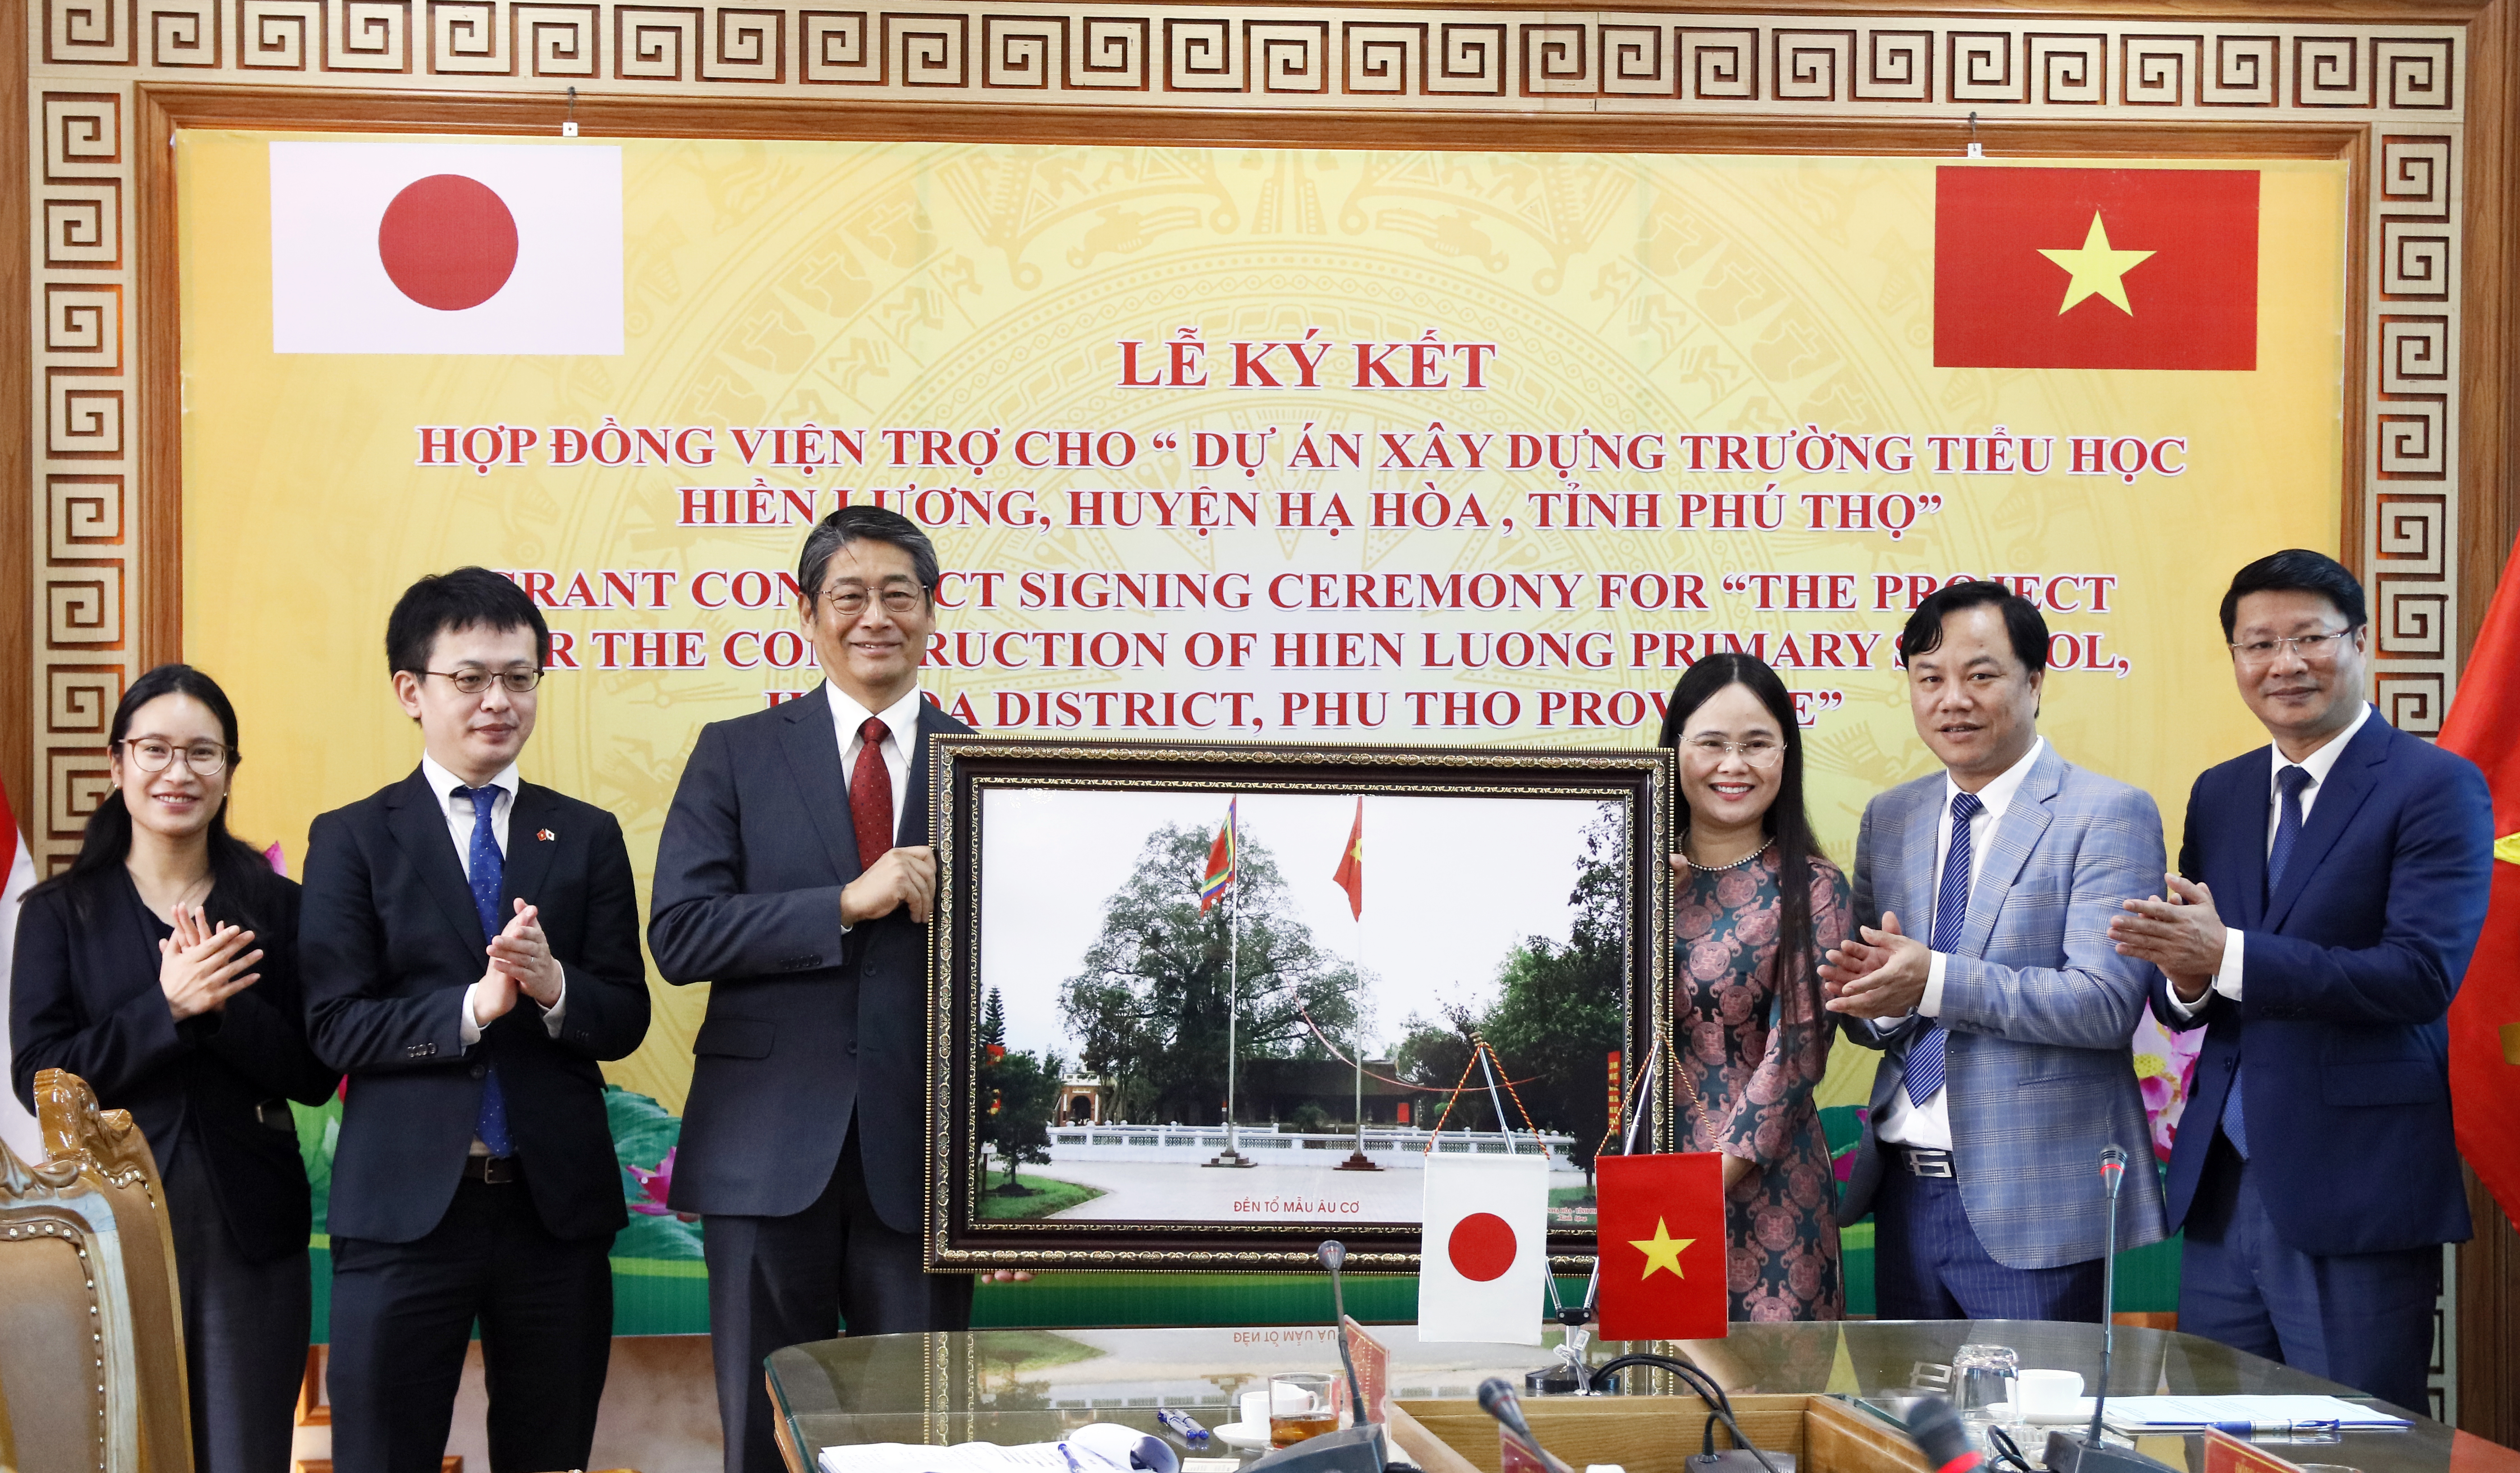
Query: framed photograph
{"x":1200,"y":1007}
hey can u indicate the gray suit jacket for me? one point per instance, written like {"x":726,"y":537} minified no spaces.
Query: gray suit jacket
{"x":2039,"y":1005}
{"x":807,"y":1030}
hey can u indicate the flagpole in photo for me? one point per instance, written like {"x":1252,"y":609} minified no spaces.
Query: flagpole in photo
{"x":1223,"y":864}
{"x":1350,"y":877}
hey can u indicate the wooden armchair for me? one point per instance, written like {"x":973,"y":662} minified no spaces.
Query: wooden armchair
{"x":92,"y":1367}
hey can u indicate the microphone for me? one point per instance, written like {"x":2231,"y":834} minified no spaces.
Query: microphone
{"x":1496,"y":1399}
{"x":2113,"y":1164}
{"x":1939,"y":1434}
{"x":1333,"y":1253}
{"x":2067,"y":1453}
{"x":1350,"y":1450}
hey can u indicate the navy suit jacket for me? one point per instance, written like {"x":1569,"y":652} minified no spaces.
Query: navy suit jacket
{"x":84,"y":997}
{"x":2346,"y":978}
{"x":388,"y":943}
{"x":806,"y":1027}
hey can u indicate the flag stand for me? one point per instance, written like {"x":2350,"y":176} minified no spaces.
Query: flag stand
{"x":1230,"y":1156}
{"x":1357,"y":1159}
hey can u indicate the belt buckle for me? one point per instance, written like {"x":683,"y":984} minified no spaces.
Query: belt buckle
{"x":1933,"y":1163}
{"x":493,"y":1170}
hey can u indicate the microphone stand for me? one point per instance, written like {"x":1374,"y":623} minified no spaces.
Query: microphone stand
{"x":2066,"y":1452}
{"x":1332,"y":1254}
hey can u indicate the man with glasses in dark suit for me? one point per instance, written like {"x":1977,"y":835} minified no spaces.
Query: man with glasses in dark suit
{"x":2330,"y":889}
{"x":469,"y":943}
{"x":795,"y":876}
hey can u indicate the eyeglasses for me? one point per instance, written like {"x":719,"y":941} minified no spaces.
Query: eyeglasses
{"x":1758,"y":753}
{"x":475,"y":682}
{"x":208,"y":758}
{"x":852,"y":602}
{"x":2313,"y":649}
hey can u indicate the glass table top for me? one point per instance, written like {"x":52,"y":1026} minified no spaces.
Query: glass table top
{"x":1022,"y":1386}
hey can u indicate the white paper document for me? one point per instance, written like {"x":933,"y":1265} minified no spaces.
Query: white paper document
{"x":1098,"y":1448}
{"x":2192,"y":1414}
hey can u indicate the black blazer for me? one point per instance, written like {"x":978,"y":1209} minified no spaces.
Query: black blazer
{"x":805,"y":1026}
{"x":84,"y":995}
{"x":389,"y":941}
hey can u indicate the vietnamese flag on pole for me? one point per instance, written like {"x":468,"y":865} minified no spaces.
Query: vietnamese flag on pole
{"x":2095,"y":268}
{"x":1661,"y":1242}
{"x":2484,"y":726}
{"x":1350,"y":874}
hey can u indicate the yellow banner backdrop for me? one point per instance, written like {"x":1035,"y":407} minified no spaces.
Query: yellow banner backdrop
{"x":1279,"y":444}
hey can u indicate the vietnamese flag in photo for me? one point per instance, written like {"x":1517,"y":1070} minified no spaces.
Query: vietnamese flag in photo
{"x":1661,"y":1245}
{"x":441,"y":248}
{"x":2095,"y":268}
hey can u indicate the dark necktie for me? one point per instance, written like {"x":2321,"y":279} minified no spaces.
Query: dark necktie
{"x":2291,"y":781}
{"x":1924,"y":1066}
{"x":871,"y":795}
{"x":488,"y":873}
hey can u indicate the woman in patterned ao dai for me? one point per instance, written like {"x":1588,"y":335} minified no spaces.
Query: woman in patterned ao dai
{"x":1754,"y":897}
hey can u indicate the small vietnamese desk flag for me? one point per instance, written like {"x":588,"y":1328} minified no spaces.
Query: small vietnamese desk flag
{"x":1350,"y":875}
{"x":2095,"y":268}
{"x":1661,"y":1242}
{"x":1220,"y":862}
{"x":2484,"y":726}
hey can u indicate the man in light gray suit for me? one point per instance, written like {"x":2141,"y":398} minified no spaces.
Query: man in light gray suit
{"x":2006,"y":1069}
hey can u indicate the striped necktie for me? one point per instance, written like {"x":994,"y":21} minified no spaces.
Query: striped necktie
{"x":1924,"y":1065}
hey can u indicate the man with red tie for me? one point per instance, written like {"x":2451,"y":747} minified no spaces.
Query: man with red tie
{"x":795,"y":876}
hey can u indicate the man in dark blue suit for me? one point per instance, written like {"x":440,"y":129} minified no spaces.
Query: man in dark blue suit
{"x":2329,"y":891}
{"x":470,"y":945}
{"x":796,"y":875}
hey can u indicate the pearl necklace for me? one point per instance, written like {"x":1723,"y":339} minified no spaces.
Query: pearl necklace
{"x":1717,"y":869}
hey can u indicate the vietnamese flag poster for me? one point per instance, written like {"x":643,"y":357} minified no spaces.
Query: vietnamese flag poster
{"x":2146,"y":268}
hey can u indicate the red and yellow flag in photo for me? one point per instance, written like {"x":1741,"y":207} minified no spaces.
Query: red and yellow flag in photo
{"x":1350,"y":875}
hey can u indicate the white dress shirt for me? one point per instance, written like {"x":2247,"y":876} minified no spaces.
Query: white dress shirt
{"x":900,"y":730}
{"x":1928,"y":1127}
{"x":458,"y":813}
{"x":2226,"y":980}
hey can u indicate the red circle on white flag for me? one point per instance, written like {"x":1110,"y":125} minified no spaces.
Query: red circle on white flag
{"x":1481,"y":1247}
{"x":448,"y":242}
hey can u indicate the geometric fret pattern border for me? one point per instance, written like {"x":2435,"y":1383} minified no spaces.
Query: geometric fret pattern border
{"x":2404,"y":83}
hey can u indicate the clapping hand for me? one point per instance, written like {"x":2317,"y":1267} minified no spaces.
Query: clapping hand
{"x":522,"y":953}
{"x":2181,"y":933}
{"x":201,"y":966}
{"x":1881,"y":974}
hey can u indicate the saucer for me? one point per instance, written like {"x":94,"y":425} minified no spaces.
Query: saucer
{"x":1241,"y":1434}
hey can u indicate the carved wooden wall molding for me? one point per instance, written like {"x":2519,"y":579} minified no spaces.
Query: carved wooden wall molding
{"x":102,"y":607}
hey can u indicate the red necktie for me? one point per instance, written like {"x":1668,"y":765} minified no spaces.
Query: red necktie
{"x":871,"y":795}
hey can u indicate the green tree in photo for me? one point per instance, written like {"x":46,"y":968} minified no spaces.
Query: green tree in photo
{"x":1560,"y":1009}
{"x":1019,"y":1090}
{"x":1150,"y":1003}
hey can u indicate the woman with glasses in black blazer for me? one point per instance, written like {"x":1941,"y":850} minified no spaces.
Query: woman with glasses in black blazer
{"x":162,"y":969}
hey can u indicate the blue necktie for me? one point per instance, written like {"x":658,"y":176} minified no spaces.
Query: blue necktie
{"x":489,"y":872}
{"x":1924,"y":1066}
{"x":2292,"y":780}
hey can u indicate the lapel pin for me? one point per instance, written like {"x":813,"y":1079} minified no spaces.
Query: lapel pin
{"x":545,"y":835}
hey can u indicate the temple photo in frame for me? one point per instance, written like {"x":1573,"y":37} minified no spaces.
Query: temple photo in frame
{"x":1201,"y":1007}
